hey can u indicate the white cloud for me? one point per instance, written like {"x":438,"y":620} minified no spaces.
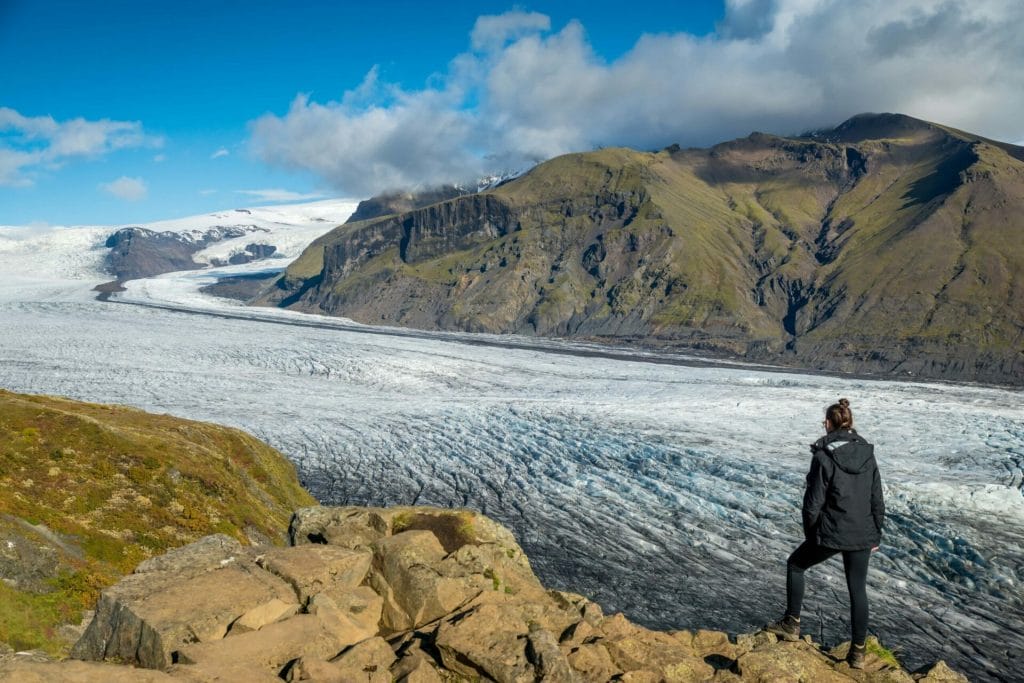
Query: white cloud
{"x":160,"y":158}
{"x":207,"y":192}
{"x":491,"y":32}
{"x":128,"y":189}
{"x":30,"y":143}
{"x":222,"y":152}
{"x":523,"y":92}
{"x":278,"y":195}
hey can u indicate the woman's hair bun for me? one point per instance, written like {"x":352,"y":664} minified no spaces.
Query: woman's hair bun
{"x":844,"y":403}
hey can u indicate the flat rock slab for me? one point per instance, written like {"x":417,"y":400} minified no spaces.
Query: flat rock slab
{"x":369,"y":661}
{"x":270,"y":648}
{"x":72,"y":671}
{"x":312,"y":569}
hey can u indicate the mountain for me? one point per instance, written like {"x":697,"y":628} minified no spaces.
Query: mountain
{"x":887,"y":244}
{"x":234,"y":237}
{"x":218,"y":239}
{"x":88,"y":491}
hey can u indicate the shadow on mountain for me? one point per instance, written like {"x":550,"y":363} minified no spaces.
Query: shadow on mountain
{"x":943,"y":180}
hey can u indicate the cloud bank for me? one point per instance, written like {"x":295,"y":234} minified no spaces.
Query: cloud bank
{"x":29,"y":144}
{"x":128,"y":189}
{"x":523,"y":92}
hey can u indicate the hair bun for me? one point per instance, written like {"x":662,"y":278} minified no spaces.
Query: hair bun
{"x":844,"y":403}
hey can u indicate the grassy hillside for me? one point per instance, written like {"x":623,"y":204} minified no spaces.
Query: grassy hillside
{"x":88,"y":491}
{"x":887,"y":244}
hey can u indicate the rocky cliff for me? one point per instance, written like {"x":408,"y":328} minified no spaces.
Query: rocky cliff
{"x":885,"y":245}
{"x":401,"y":594}
{"x":88,"y":491}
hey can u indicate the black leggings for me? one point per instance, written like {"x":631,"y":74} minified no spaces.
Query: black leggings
{"x":855,"y":562}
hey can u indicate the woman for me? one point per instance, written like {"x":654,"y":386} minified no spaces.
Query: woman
{"x":843,"y":513}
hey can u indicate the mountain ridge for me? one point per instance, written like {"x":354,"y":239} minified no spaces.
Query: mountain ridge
{"x":894,"y":255}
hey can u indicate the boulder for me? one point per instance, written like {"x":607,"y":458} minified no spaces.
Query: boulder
{"x":353,"y":527}
{"x":207,"y":553}
{"x":346,"y":527}
{"x":658,"y":652}
{"x":746,"y":642}
{"x":706,"y":643}
{"x":593,"y":663}
{"x":353,"y":615}
{"x":413,"y":663}
{"x":788,"y":661}
{"x":267,"y":613}
{"x":148,"y":615}
{"x":368,"y":662}
{"x":941,"y":673}
{"x":275,"y":645}
{"x":493,"y":638}
{"x":415,"y":667}
{"x":312,"y":569}
{"x":488,"y":640}
{"x":409,"y":564}
{"x":589,"y":610}
{"x":549,"y":661}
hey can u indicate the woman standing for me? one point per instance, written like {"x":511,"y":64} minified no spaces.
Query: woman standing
{"x":843,"y":513}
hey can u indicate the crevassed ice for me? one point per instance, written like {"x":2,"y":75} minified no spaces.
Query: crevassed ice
{"x":668,"y":491}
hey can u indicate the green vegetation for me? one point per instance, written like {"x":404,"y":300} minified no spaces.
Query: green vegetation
{"x":887,"y":656}
{"x":903,"y":239}
{"x":92,"y":490}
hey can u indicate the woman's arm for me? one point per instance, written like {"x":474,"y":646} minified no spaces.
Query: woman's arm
{"x":877,"y":501}
{"x":814,"y":496}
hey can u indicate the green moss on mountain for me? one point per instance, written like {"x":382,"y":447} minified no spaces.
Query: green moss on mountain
{"x":887,"y":244}
{"x":88,"y":491}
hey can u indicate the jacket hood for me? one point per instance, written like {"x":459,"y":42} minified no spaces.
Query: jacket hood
{"x":848,"y":450}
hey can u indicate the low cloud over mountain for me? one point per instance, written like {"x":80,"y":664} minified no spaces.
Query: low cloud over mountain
{"x":525,"y":91}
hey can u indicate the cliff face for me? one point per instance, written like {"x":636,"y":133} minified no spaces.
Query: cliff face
{"x":885,"y":245}
{"x":403,"y":594}
{"x":88,"y":491}
{"x":402,"y":202}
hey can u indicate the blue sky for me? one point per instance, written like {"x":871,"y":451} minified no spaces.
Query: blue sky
{"x":116,"y":111}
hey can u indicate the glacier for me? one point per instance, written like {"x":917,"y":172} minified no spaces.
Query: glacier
{"x":665,"y":486}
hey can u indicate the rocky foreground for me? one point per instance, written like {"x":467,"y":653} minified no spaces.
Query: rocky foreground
{"x":411,"y":594}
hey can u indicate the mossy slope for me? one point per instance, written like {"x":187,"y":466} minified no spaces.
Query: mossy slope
{"x":88,"y":491}
{"x":887,"y":244}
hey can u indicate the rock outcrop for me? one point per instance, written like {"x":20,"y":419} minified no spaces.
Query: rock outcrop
{"x":89,"y":491}
{"x":138,"y":252}
{"x":415,"y":595}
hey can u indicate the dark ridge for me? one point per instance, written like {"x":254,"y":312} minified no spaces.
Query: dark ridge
{"x":402,"y":202}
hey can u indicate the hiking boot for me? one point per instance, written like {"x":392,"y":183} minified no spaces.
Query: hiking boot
{"x":855,"y":657}
{"x":787,"y":628}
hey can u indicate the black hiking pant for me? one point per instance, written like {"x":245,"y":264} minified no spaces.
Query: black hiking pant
{"x":855,"y":562}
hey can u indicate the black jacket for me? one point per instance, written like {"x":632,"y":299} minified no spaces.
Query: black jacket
{"x":843,"y":506}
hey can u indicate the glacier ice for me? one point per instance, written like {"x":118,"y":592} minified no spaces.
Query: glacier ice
{"x":667,"y":490}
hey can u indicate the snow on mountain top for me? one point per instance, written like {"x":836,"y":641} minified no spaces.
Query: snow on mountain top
{"x":77,"y":253}
{"x":327,"y":213}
